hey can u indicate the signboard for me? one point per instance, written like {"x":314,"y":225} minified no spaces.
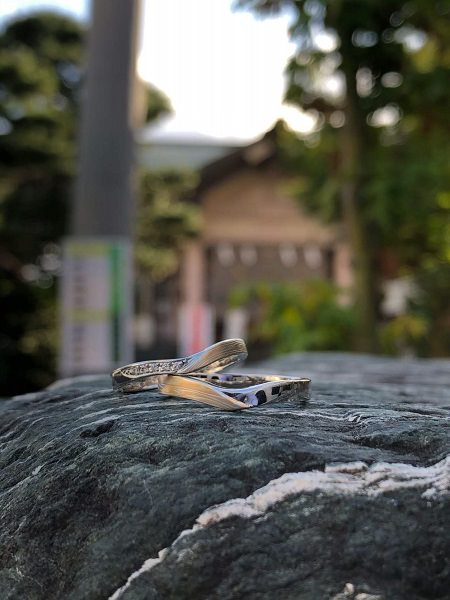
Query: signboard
{"x":96,"y":305}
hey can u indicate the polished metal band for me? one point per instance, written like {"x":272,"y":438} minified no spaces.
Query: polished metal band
{"x":230,"y":391}
{"x":138,"y":376}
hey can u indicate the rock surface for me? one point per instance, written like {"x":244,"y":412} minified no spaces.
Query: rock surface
{"x":137,"y":497}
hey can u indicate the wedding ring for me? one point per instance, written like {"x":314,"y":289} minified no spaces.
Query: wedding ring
{"x":196,"y":378}
{"x":230,"y":391}
{"x":141,"y":375}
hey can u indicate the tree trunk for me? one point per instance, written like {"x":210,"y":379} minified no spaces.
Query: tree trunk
{"x":352,"y":155}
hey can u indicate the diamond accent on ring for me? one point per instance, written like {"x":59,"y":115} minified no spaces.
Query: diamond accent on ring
{"x":155,"y":367}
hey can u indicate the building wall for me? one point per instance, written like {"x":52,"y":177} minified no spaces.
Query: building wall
{"x":254,"y":232}
{"x":252,"y":207}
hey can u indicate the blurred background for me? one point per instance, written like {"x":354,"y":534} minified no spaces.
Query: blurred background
{"x":174,"y":173}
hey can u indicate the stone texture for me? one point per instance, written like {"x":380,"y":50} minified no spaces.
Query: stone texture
{"x":346,"y":497}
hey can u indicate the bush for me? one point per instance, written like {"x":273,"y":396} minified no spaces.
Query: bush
{"x":296,"y":316}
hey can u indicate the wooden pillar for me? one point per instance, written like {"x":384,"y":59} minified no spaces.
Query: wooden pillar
{"x":193,"y":273}
{"x":343,"y":271}
{"x":196,"y":319}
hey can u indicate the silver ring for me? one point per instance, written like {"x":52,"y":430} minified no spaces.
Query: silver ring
{"x":138,"y":376}
{"x":231,"y":391}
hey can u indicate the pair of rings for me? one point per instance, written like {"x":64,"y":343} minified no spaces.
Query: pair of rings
{"x":197,"y":377}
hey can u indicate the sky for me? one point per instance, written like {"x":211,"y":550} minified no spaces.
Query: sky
{"x":221,"y":69}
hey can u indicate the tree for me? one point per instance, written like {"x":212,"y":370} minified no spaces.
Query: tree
{"x":40,"y":74}
{"x":376,"y":75}
{"x":41,"y":77}
{"x":164,"y":222}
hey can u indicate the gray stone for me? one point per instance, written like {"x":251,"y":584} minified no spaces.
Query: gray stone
{"x":137,"y":497}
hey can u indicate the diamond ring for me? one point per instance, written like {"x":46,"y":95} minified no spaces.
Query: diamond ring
{"x":140,"y":375}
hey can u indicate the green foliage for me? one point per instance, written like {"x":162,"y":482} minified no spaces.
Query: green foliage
{"x":432,"y":304}
{"x":158,"y":104}
{"x":408,"y":208}
{"x":165,"y":220}
{"x":425,"y":329}
{"x":404,"y":334}
{"x":28,"y":335}
{"x":40,"y":75}
{"x":296,"y":317}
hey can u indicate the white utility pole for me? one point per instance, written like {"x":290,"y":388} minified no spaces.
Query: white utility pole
{"x":97,"y":274}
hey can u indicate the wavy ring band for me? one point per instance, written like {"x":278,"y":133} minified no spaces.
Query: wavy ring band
{"x":230,"y":391}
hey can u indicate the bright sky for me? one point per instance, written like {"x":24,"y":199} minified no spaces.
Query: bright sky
{"x":222,"y":70}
